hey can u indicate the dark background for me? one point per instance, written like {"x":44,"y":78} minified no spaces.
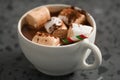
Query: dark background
{"x":14,"y":65}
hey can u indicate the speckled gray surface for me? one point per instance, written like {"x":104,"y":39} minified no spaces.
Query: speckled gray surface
{"x":14,"y":65}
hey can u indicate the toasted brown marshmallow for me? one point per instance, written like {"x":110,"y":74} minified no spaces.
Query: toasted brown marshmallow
{"x":36,"y":18}
{"x":60,"y":32}
{"x":46,"y":39}
{"x":70,"y":16}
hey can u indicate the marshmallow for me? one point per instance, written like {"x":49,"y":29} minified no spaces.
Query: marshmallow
{"x":70,"y":16}
{"x":64,"y":18}
{"x":46,"y":39}
{"x":37,"y":17}
{"x":53,"y":24}
{"x":61,"y":33}
{"x":79,"y":29}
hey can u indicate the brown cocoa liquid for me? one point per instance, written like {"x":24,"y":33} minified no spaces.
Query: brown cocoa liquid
{"x":27,"y":32}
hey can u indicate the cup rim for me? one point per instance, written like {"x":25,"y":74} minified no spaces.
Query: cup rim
{"x":49,"y":5}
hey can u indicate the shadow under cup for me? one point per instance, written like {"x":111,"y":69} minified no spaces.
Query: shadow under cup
{"x":58,"y":60}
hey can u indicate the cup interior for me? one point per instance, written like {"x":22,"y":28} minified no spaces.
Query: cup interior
{"x":53,"y":8}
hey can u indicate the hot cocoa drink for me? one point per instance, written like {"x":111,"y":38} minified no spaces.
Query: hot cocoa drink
{"x":64,"y":27}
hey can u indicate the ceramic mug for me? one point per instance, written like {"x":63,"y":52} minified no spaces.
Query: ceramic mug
{"x":64,"y":59}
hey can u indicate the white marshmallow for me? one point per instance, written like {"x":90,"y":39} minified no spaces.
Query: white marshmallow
{"x":79,"y":29}
{"x":49,"y":26}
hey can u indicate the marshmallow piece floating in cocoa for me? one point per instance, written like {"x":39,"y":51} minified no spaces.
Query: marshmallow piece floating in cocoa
{"x":54,"y":24}
{"x":79,"y":29}
{"x":70,"y":16}
{"x":37,"y":17}
{"x":46,"y":39}
{"x":61,"y":32}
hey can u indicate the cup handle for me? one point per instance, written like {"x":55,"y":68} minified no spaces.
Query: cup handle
{"x":97,"y":55}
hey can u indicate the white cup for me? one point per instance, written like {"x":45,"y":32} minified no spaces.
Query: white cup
{"x":64,"y":59}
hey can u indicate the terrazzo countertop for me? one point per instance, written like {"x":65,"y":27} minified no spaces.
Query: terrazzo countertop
{"x":15,"y":66}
